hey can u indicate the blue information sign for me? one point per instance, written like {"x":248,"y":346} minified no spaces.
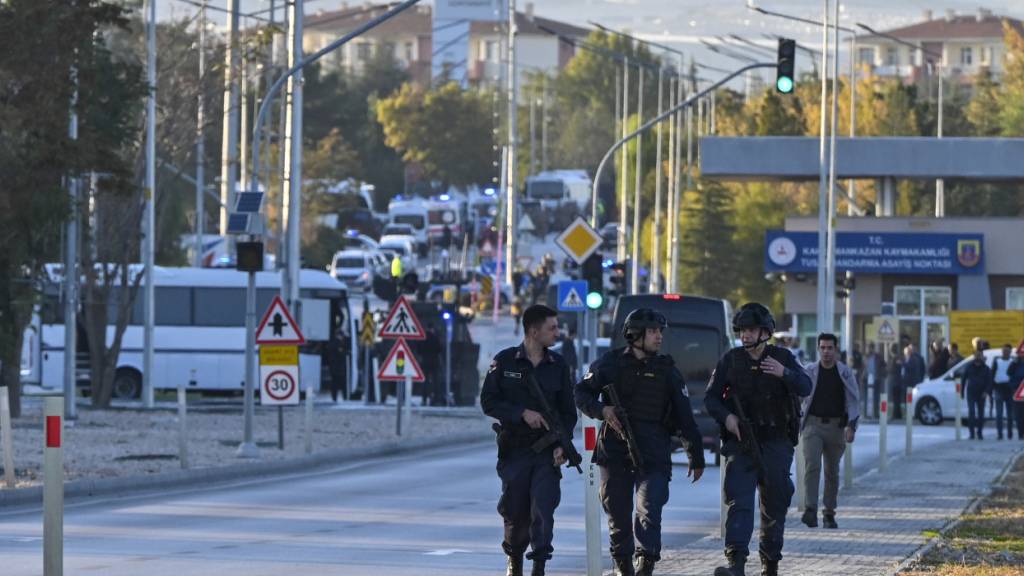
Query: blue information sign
{"x":878,"y":253}
{"x":572,"y":296}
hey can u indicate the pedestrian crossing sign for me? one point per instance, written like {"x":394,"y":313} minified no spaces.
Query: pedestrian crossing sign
{"x":400,"y":364}
{"x":572,"y":295}
{"x":402,"y":322}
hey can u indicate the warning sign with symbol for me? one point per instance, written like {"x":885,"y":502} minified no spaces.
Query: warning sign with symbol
{"x":402,"y":322}
{"x":369,"y":329}
{"x":278,"y":326}
{"x":571,"y":294}
{"x":400,"y":364}
{"x":1019,"y":394}
{"x":579,"y":240}
{"x":279,"y":385}
{"x":888,"y":332}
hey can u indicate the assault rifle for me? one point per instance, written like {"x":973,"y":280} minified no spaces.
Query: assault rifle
{"x":635,"y":458}
{"x":749,"y":443}
{"x":557,"y":433}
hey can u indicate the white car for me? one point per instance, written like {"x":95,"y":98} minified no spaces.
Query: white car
{"x":357,"y":268}
{"x":935,"y":400}
{"x":404,"y":247}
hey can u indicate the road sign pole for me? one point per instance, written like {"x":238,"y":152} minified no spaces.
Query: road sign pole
{"x":447,"y":361}
{"x":592,"y":497}
{"x":883,"y":431}
{"x":310,"y":398}
{"x":399,"y":392}
{"x":909,"y":425}
{"x":280,"y":427}
{"x":183,"y":423}
{"x":848,"y":466}
{"x":8,"y":442}
{"x":248,"y":449}
{"x":956,"y":418}
{"x":367,"y":376}
{"x":53,"y":486}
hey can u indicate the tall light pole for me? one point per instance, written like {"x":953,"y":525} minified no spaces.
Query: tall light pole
{"x":229,"y":145}
{"x":830,"y":263}
{"x":292,"y":181}
{"x":149,"y":216}
{"x":197,"y":259}
{"x":634,"y":285}
{"x":71,"y":274}
{"x":940,"y":184}
{"x":513,"y":105}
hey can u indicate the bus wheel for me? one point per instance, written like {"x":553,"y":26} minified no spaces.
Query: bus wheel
{"x":127,"y":384}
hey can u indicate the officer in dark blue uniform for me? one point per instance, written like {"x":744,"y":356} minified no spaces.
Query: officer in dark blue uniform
{"x":656,"y":405}
{"x":767,"y":382}
{"x":530,"y":480}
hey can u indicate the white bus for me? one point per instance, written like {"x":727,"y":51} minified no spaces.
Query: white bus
{"x":199,"y":332}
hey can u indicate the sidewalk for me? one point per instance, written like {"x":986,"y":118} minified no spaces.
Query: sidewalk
{"x":882,"y":520}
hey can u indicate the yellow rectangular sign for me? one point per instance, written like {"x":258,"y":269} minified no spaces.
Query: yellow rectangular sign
{"x":279,"y":355}
{"x":997,"y":326}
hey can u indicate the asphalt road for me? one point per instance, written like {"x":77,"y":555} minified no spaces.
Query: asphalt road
{"x":430,"y":513}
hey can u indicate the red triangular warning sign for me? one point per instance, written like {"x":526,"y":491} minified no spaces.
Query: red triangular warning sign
{"x":1019,"y":394}
{"x":400,"y":364}
{"x":402,"y":322}
{"x":278,"y":326}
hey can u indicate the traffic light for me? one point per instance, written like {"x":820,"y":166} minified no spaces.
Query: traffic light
{"x":593,"y":273}
{"x":620,"y":271}
{"x":784,"y":80}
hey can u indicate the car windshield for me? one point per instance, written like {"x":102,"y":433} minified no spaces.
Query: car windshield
{"x":414,"y":220}
{"x":395,"y":249}
{"x":441,"y":217}
{"x":348,"y":262}
{"x":398,"y":230}
{"x":545,"y":190}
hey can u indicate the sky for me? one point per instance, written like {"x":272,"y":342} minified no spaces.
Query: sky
{"x":683,"y":23}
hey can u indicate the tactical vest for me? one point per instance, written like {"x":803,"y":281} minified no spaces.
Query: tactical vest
{"x":767,"y":403}
{"x":645,"y":390}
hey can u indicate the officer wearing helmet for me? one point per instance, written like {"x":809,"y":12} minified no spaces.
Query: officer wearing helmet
{"x":767,"y":382}
{"x":655,"y":401}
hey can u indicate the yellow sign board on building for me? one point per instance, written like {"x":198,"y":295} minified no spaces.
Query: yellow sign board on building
{"x":998,"y":327}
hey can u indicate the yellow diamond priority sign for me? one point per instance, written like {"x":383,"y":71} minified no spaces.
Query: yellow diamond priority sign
{"x":579,"y":240}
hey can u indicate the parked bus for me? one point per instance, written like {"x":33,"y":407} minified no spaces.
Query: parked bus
{"x":199,"y":332}
{"x":699,"y":333}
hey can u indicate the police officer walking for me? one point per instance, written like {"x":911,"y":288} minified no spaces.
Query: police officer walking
{"x":655,"y":404}
{"x":754,"y":395}
{"x":530,"y":480}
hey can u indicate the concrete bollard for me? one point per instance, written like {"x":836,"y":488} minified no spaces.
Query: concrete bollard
{"x":8,"y":441}
{"x":183,"y":424}
{"x":799,"y":487}
{"x":53,"y":486}
{"x":591,"y":496}
{"x":310,"y":398}
{"x":956,"y":418}
{"x":909,"y":424}
{"x":883,"y":431}
{"x":848,"y":465}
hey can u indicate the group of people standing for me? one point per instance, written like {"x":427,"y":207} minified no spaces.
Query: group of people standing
{"x":997,"y":380}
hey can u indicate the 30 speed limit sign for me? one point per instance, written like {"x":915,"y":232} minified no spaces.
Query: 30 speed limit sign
{"x":279,"y":385}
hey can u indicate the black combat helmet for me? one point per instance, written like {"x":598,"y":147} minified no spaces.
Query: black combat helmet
{"x":753,"y":315}
{"x":639,"y":321}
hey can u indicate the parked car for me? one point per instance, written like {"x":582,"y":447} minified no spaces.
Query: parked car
{"x":357,"y":268}
{"x":395,"y":229}
{"x":436,"y":291}
{"x":934,"y":401}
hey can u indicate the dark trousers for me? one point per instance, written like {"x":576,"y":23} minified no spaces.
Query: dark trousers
{"x":975,"y":412}
{"x":1018,"y":408}
{"x":1003,"y":394}
{"x":625,"y":532}
{"x":530,"y":492}
{"x":776,"y":492}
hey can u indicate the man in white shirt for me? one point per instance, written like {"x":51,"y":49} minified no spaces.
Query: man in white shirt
{"x":1002,"y":391}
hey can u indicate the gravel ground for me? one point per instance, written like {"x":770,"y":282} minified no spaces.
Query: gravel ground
{"x":129,"y":442}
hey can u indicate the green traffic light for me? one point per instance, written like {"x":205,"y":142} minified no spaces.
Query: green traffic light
{"x":594,"y":300}
{"x":784,"y":84}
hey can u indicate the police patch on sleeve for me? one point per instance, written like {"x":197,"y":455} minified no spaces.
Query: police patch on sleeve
{"x":686,"y":391}
{"x":494,"y":366}
{"x":588,"y":376}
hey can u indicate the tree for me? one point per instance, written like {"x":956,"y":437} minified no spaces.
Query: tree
{"x":1011,"y":93}
{"x":983,"y":109}
{"x":444,"y":129}
{"x":707,"y":259}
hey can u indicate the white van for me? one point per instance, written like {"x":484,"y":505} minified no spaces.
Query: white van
{"x":411,"y":211}
{"x":556,"y":188}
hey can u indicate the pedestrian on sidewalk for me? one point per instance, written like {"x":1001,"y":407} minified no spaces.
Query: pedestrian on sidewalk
{"x":530,"y":481}
{"x":894,"y":381}
{"x":939,"y":362}
{"x":754,"y":396}
{"x":976,"y":382}
{"x":569,"y":352}
{"x":874,"y":369}
{"x":954,"y":354}
{"x":830,"y":420}
{"x":1016,"y":371}
{"x":914,"y":372}
{"x":654,"y":405}
{"x":1003,"y":391}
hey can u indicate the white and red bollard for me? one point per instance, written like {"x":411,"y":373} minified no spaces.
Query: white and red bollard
{"x":53,"y":486}
{"x":592,"y":496}
{"x":909,"y":426}
{"x":956,"y":417}
{"x":883,"y":431}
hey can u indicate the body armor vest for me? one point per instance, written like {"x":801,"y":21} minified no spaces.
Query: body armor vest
{"x":645,"y":391}
{"x":766,"y":401}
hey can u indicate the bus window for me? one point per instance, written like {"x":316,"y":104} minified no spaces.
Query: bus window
{"x":173,"y":306}
{"x":220,"y":307}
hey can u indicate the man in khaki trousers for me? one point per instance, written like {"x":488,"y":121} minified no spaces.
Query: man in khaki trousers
{"x":830,"y":417}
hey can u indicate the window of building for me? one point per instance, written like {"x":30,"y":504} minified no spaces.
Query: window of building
{"x":1015,"y":298}
{"x":892,"y":56}
{"x":986,"y":56}
{"x":966,"y":56}
{"x":409,"y":53}
{"x":923,"y":313}
{"x":866,"y":56}
{"x":491,"y":51}
{"x":388,"y":48}
{"x":363,"y":50}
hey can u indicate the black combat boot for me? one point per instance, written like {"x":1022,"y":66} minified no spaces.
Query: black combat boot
{"x":829,"y":521}
{"x":734,"y":567}
{"x":515,"y":566}
{"x":644,"y":565}
{"x":769,"y":567}
{"x":623,"y":566}
{"x":538,"y":567}
{"x":810,"y":517}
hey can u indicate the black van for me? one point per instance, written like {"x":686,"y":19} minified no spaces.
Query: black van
{"x":699,"y":333}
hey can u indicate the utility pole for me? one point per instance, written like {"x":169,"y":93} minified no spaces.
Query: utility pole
{"x":229,"y":146}
{"x":830,"y":254}
{"x":544,"y":125}
{"x":634,"y":284}
{"x":533,"y":134}
{"x":655,"y":233}
{"x":197,"y":259}
{"x":620,"y":249}
{"x":510,"y":183}
{"x":824,"y":322}
{"x":71,"y":274}
{"x":671,"y":218}
{"x":292,"y":196}
{"x":149,"y":218}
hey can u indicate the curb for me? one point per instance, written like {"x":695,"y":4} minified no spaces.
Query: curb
{"x":934,"y":541}
{"x":86,"y":488}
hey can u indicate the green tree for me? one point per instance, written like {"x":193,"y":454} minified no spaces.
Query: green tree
{"x":983,"y":109}
{"x":1011,"y":93}
{"x":444,"y":129}
{"x":707,"y":257}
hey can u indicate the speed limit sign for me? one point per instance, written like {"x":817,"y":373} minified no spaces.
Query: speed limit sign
{"x":279,"y":385}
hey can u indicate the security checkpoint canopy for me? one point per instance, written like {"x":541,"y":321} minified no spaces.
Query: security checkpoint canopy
{"x":796,"y":158}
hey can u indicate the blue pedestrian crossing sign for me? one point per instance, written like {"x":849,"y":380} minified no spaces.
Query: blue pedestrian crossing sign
{"x":572,"y":296}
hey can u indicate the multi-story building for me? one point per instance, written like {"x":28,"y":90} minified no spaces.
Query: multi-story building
{"x":967,"y":45}
{"x":409,"y":37}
